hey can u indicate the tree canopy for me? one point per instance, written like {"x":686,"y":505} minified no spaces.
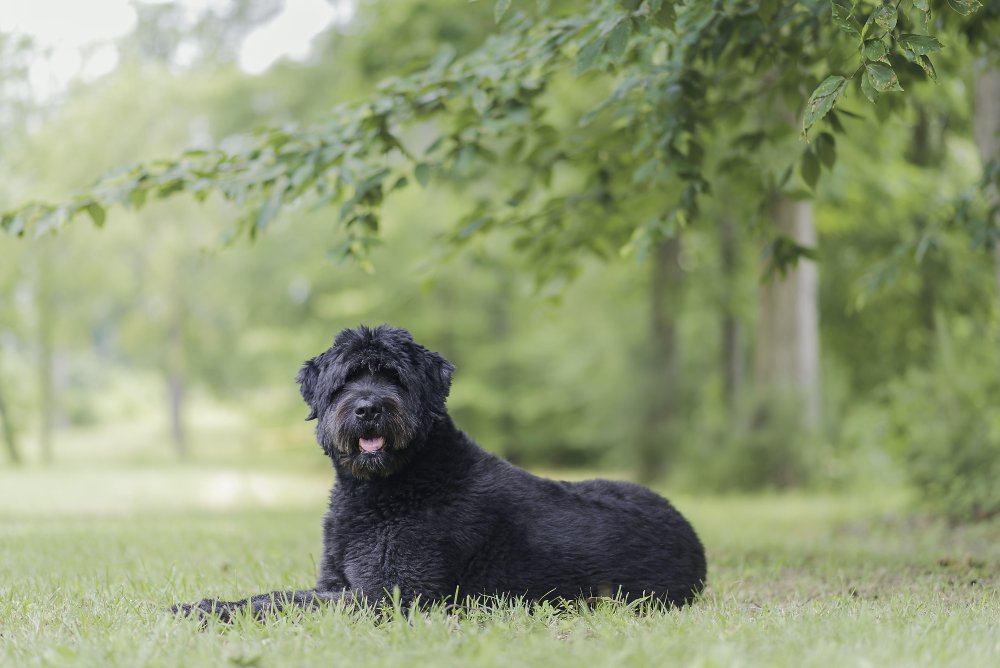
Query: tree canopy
{"x":683,"y":98}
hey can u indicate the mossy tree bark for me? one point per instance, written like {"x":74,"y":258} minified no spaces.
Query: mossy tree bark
{"x":987,"y":132}
{"x":666,"y":290}
{"x":787,"y":346}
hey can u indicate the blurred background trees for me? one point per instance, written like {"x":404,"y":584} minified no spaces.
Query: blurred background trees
{"x":676,"y":286}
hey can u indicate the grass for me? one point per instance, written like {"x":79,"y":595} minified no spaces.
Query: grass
{"x":89,"y":560}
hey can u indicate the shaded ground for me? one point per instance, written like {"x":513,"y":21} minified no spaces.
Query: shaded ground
{"x":89,"y":561}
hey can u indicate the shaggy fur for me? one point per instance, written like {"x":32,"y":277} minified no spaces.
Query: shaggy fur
{"x":420,"y":507}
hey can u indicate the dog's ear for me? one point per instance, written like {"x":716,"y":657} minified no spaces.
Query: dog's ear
{"x":308,"y":380}
{"x":440,"y":371}
{"x":319,"y":378}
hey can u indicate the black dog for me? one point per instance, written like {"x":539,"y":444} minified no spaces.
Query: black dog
{"x":420,"y":507}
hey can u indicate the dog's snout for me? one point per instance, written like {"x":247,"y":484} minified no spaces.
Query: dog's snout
{"x":368,"y":409}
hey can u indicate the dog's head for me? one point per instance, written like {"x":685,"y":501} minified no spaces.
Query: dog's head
{"x":376,"y":394}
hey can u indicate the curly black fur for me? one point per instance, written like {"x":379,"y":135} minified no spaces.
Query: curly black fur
{"x":420,"y":507}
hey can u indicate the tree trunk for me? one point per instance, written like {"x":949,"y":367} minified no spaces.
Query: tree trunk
{"x":920,"y":155}
{"x":9,"y":436}
{"x":732,"y":339}
{"x":46,"y":332}
{"x":986,"y":123}
{"x":665,"y":295}
{"x":787,"y":350}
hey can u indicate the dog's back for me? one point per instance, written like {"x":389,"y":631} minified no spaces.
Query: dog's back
{"x":546,"y":538}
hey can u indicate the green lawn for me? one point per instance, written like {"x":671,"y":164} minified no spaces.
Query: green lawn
{"x":89,"y":560}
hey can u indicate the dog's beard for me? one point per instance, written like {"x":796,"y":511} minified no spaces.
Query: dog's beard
{"x":371,"y":448}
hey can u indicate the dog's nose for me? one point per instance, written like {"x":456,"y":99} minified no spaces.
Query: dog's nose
{"x":367,"y":410}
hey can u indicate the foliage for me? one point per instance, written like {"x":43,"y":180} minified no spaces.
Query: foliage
{"x":943,"y":428}
{"x":764,"y":446}
{"x":666,"y":79}
{"x":888,"y":261}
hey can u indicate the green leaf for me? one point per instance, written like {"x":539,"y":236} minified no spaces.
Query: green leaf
{"x":882,"y":77}
{"x":810,"y":169}
{"x":923,"y":6}
{"x":270,"y":209}
{"x":843,"y":15}
{"x":783,"y":254}
{"x":767,"y":10}
{"x":927,"y":66}
{"x":137,"y":198}
{"x":834,"y":120}
{"x":630,"y":5}
{"x":618,"y":38}
{"x":422,"y":172}
{"x":169,"y":188}
{"x":53,"y":220}
{"x":785,"y":177}
{"x":885,"y":16}
{"x":13,"y":224}
{"x":826,"y":149}
{"x":588,"y":55}
{"x":920,"y":45}
{"x":470,"y":229}
{"x":965,"y":7}
{"x":302,"y":174}
{"x":868,"y":88}
{"x":499,"y":9}
{"x":823,"y":100}
{"x":874,"y":49}
{"x":97,"y":213}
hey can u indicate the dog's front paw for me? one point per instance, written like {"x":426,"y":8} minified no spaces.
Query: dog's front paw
{"x":182,"y":609}
{"x":205,"y":609}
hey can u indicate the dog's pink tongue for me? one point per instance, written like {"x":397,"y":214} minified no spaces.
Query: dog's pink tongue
{"x":372,"y":444}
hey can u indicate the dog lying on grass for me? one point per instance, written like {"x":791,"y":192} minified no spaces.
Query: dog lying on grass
{"x":420,"y":508}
